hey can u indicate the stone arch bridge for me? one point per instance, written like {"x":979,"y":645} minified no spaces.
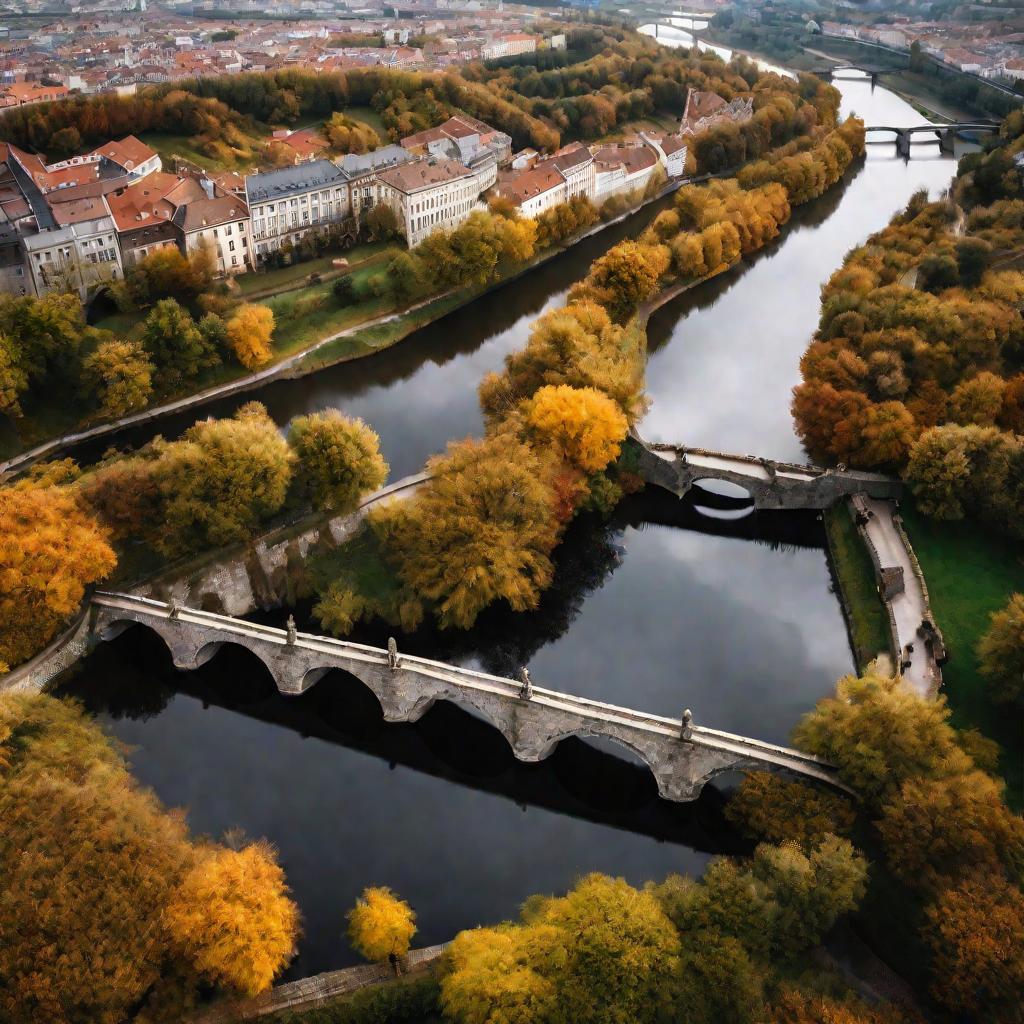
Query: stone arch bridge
{"x":770,"y":484}
{"x":944,"y":134}
{"x":681,"y":756}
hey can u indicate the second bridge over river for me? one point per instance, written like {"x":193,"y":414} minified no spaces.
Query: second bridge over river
{"x":682,"y":756}
{"x":770,"y":484}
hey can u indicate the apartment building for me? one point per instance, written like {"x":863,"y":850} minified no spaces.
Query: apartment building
{"x":287,"y":204}
{"x":220,"y":224}
{"x":461,"y":137}
{"x":431,"y":194}
{"x":705,"y":110}
{"x":509,"y":45}
{"x":80,"y":256}
{"x":622,"y":169}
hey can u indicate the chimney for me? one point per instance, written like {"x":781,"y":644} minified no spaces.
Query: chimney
{"x":207,"y":187}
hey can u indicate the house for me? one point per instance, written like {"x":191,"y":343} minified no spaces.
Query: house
{"x":20,"y":94}
{"x":361,"y":169}
{"x":130,"y":156}
{"x":431,"y":194}
{"x":288,"y":203}
{"x":220,"y":224}
{"x":671,"y":150}
{"x":464,"y":132}
{"x":509,"y":45}
{"x":576,"y":165}
{"x":536,"y":189}
{"x":306,"y":144}
{"x":705,"y":110}
{"x":622,"y":169}
{"x":81,"y":257}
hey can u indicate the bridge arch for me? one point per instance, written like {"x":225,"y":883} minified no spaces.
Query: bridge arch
{"x":466,"y":702}
{"x":584,"y":732}
{"x":180,"y":654}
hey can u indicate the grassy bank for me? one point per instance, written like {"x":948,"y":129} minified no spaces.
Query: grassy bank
{"x":972,"y":572}
{"x":865,"y":614}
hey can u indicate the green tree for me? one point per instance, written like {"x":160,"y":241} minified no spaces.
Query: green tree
{"x":119,"y":376}
{"x":879,"y":733}
{"x":1001,"y":652}
{"x":338,"y":459}
{"x":222,"y":479}
{"x":175,"y":344}
{"x":717,"y":981}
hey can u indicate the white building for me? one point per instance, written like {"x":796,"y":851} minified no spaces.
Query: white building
{"x":287,"y":204}
{"x":220,"y":225}
{"x":431,"y":194}
{"x":80,"y":256}
{"x":508,"y":46}
{"x":623,"y":169}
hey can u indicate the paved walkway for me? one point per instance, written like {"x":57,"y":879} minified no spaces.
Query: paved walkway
{"x":910,"y":607}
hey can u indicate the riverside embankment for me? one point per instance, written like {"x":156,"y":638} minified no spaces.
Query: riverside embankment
{"x":666,"y":607}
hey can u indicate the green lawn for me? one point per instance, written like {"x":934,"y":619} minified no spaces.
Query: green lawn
{"x":868,"y":623}
{"x":169,"y":146}
{"x":283,"y":278}
{"x":971,"y":572}
{"x":369,"y":116}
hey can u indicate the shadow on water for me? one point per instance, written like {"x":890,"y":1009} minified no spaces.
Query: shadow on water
{"x":132,"y":678}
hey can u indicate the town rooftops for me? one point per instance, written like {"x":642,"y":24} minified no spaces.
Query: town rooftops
{"x":356,"y":164}
{"x":532,"y":183}
{"x":574,"y":155}
{"x":129,"y":153}
{"x":422,"y":174}
{"x":209,"y":213}
{"x":68,"y":234}
{"x":701,"y":104}
{"x":632,"y":158}
{"x":289,"y":181}
{"x":458,"y":127}
{"x":87,"y":208}
{"x":155,"y":198}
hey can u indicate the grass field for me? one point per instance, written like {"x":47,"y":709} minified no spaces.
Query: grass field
{"x":868,"y":623}
{"x":369,"y":116}
{"x":971,"y":572}
{"x":169,"y":146}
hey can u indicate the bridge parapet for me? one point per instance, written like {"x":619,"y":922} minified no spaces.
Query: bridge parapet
{"x":682,"y":757}
{"x":771,"y":484}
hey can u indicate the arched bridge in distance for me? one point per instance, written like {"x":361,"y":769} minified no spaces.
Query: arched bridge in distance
{"x":682,"y":756}
{"x":770,"y":484}
{"x":944,"y":134}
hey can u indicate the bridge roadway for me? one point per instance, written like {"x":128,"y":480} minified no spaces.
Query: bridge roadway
{"x":771,"y":485}
{"x":681,"y":756}
{"x":945,"y":134}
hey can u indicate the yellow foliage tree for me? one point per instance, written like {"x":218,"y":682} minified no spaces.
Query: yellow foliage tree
{"x":50,"y":550}
{"x":585,"y":427}
{"x":232,"y":918}
{"x":381,"y":925}
{"x":249,"y":332}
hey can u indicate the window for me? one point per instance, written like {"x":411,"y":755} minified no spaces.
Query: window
{"x":231,"y":246}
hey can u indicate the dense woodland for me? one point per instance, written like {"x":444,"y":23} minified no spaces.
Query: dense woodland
{"x":918,"y":362}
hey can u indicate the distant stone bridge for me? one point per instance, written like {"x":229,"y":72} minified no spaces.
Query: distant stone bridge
{"x":945,"y":134}
{"x":770,"y":484}
{"x":681,"y":756}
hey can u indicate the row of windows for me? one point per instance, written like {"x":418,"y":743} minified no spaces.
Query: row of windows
{"x":322,"y":197}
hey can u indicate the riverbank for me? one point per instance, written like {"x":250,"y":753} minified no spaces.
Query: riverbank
{"x":971,"y":574}
{"x":356,"y":341}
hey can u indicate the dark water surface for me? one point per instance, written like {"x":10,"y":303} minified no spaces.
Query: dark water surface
{"x":663,"y":608}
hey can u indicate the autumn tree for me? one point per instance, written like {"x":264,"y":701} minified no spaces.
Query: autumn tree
{"x":583,"y":426}
{"x":338,"y":459}
{"x":380,"y":925}
{"x":222,"y":479}
{"x":87,"y":861}
{"x":1001,"y":652}
{"x":119,"y":376}
{"x":382,"y":222}
{"x":578,"y":346}
{"x":621,"y":279}
{"x":231,"y":917}
{"x":174,"y":344}
{"x":976,"y":933}
{"x":791,"y":1006}
{"x":124,"y":493}
{"x":937,"y":831}
{"x":978,"y":400}
{"x":249,"y":333}
{"x":775,"y":810}
{"x":51,"y":549}
{"x":481,"y":531}
{"x":716,"y":980}
{"x":879,"y":733}
{"x":346,"y":135}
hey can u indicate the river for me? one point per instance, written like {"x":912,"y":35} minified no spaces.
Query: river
{"x":663,"y":608}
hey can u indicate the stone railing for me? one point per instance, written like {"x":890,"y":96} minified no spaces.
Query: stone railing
{"x":307,"y":993}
